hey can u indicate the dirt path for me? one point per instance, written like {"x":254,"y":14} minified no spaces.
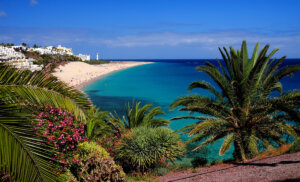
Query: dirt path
{"x":276,"y":169}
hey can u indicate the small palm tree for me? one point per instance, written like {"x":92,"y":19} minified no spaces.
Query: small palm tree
{"x":97,"y":123}
{"x":241,"y":111}
{"x":136,"y":116}
{"x":21,"y":156}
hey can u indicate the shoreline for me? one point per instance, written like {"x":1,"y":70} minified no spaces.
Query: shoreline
{"x":80,"y":74}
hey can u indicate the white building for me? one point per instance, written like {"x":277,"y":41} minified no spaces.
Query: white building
{"x":8,"y":53}
{"x":84,"y":57}
{"x":17,"y":59}
{"x":43,"y":51}
{"x":54,"y":50}
{"x":64,"y":50}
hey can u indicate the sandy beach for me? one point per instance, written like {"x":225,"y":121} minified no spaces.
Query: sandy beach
{"x":79,"y":74}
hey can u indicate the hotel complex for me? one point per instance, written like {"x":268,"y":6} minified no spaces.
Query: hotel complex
{"x":18,"y":59}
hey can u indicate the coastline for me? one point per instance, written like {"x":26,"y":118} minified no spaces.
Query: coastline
{"x":79,"y":74}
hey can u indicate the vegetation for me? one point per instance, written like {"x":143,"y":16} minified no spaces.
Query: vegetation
{"x":22,"y":157}
{"x":95,"y":164}
{"x":295,"y":146}
{"x":242,"y":110}
{"x":52,"y":132}
{"x":7,"y":44}
{"x":97,"y":62}
{"x":62,"y":131}
{"x":144,"y":148}
{"x":97,"y":126}
{"x":199,"y":161}
{"x":49,"y":61}
{"x":136,"y":116}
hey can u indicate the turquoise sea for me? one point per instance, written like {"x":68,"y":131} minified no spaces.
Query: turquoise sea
{"x":160,"y":84}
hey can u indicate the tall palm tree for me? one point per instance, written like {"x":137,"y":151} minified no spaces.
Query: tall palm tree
{"x":242,"y":111}
{"x":136,"y":116}
{"x":21,"y":156}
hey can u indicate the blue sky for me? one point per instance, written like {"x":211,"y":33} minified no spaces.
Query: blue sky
{"x":152,"y":29}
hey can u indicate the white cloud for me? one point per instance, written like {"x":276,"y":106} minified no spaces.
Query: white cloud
{"x":2,"y":14}
{"x":33,"y":2}
{"x":206,"y":40}
{"x":164,"y":44}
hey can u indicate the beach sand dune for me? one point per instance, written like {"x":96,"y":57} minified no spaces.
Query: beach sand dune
{"x":79,"y":74}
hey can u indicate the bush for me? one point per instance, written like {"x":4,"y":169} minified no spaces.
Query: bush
{"x":145,"y":148}
{"x":180,"y":166}
{"x":60,"y":130}
{"x":218,"y":161}
{"x":68,"y":177}
{"x":86,"y":148}
{"x":95,"y":164}
{"x":161,"y":171}
{"x":295,"y":146}
{"x":199,"y":161}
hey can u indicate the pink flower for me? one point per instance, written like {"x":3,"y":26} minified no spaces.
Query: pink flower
{"x":75,"y":160}
{"x":69,"y":138}
{"x":41,"y":114}
{"x":51,"y":138}
{"x":61,"y":137}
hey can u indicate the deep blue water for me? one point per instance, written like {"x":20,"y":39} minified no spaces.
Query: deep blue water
{"x":160,"y":84}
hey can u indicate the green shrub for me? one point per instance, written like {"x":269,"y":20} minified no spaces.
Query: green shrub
{"x":145,"y":148}
{"x":199,"y":161}
{"x":95,"y":164}
{"x":88,"y":147}
{"x":179,"y":166}
{"x":68,"y":177}
{"x":218,"y":161}
{"x":161,"y":171}
{"x":202,"y":152}
{"x":295,"y":146}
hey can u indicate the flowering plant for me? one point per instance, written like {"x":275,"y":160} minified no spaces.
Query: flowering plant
{"x":61,"y":131}
{"x":109,"y":141}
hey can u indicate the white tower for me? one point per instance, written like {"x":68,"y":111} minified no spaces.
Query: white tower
{"x":97,"y":56}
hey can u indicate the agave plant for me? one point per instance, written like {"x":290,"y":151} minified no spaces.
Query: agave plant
{"x":242,"y":110}
{"x":136,"y":116}
{"x":21,"y":156}
{"x":144,"y":148}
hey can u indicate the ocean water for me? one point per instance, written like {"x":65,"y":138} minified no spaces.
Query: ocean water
{"x":160,"y":84}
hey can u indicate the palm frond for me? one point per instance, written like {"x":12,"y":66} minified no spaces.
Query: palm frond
{"x":21,"y":155}
{"x":226,"y":144}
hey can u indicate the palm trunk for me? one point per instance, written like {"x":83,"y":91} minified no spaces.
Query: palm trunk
{"x":239,"y":153}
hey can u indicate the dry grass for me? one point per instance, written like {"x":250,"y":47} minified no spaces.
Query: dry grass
{"x":279,"y":151}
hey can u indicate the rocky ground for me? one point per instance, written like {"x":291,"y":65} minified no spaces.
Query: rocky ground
{"x":276,"y":169}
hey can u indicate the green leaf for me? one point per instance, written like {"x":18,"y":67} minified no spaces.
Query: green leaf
{"x":226,"y":144}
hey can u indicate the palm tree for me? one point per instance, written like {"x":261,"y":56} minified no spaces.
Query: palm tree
{"x":97,"y":123}
{"x":242,"y":111}
{"x":136,"y":116}
{"x":21,"y":156}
